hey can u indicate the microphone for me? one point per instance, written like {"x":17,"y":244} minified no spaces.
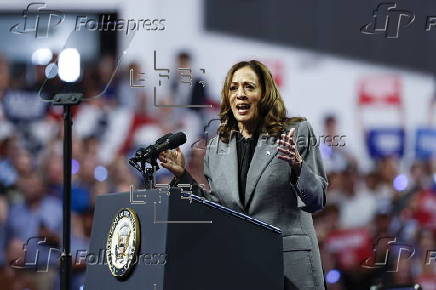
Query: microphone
{"x":171,"y":142}
{"x":166,"y":142}
{"x":163,"y":138}
{"x":142,"y":151}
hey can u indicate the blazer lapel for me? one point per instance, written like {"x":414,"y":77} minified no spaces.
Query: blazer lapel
{"x":265,"y":150}
{"x":230,"y":168}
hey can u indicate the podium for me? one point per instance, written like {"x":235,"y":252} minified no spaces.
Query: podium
{"x":186,"y":242}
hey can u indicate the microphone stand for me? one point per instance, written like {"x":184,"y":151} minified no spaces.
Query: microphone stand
{"x":150,"y":155}
{"x":146,"y":172}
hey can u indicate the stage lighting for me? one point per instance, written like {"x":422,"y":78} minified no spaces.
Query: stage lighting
{"x":400,"y":182}
{"x":41,"y":56}
{"x":100,"y":173}
{"x":69,"y":65}
{"x":75,"y":166}
{"x":333,"y":276}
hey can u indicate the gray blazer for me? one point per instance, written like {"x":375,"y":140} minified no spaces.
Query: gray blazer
{"x":271,"y":198}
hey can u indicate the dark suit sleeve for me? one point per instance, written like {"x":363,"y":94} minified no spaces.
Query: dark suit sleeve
{"x":196,"y":189}
{"x":311,"y":183}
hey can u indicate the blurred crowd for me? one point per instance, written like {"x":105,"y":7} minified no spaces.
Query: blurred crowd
{"x":379,"y":225}
{"x":108,"y":128}
{"x":369,"y":218}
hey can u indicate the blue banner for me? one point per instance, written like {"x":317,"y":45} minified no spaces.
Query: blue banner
{"x":425,"y":145}
{"x":385,"y":142}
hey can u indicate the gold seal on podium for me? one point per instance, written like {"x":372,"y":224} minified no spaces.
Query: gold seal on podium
{"x":123,"y":242}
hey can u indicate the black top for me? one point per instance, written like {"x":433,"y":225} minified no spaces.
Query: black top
{"x":245,"y":148}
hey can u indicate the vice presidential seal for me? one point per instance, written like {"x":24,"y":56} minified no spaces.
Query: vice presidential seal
{"x":123,"y":242}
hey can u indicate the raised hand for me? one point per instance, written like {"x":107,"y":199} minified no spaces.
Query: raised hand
{"x":173,"y":160}
{"x":289,"y":149}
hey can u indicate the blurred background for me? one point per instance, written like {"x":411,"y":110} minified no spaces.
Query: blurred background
{"x":371,"y":98}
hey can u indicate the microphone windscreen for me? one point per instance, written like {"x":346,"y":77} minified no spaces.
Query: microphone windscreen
{"x":177,"y":139}
{"x":163,"y":138}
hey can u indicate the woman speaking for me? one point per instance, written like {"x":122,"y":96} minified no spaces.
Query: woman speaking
{"x":265,"y":165}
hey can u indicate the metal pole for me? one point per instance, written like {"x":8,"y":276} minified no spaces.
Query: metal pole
{"x":66,"y":240}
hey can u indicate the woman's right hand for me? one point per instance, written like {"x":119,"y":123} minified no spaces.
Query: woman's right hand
{"x":173,"y":160}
